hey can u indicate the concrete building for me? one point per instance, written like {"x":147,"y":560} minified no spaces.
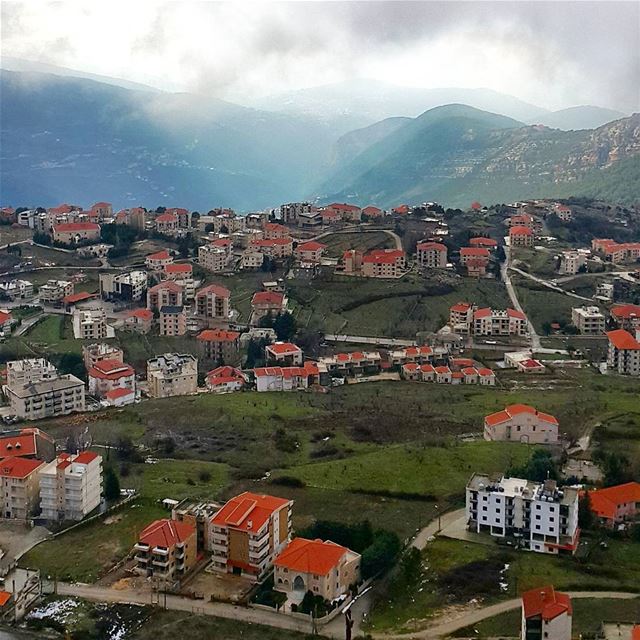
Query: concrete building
{"x":482,"y":241}
{"x":75,"y":232}
{"x":538,"y":517}
{"x":139,"y":320}
{"x":248,"y":532}
{"x":571,"y":262}
{"x":91,"y":324}
{"x":159,"y":260}
{"x":166,"y":550}
{"x":55,"y":397}
{"x":167,"y":223}
{"x":212,"y":305}
{"x":623,"y":355}
{"x":325,"y":568}
{"x":546,"y":615}
{"x":287,"y":378}
{"x":92,"y":354}
{"x":626,"y":316}
{"x":264,"y":303}
{"x":283,"y":354}
{"x":352,"y":364}
{"x":29,"y":370}
{"x":251,"y":260}
{"x":165,"y":293}
{"x":431,"y":254}
{"x":172,"y":321}
{"x":277,"y":248}
{"x":383,"y":263}
{"x":54,"y":291}
{"x":310,"y":251}
{"x":107,"y":375}
{"x":182,"y":274}
{"x":588,"y":320}
{"x":212,"y":258}
{"x":521,"y":423}
{"x":129,"y":286}
{"x":17,"y":289}
{"x":343,"y":211}
{"x":219,"y":345}
{"x":19,"y":487}
{"x":290,"y":212}
{"x":172,"y":374}
{"x":461,"y":318}
{"x":71,"y":486}
{"x":225,"y":380}
{"x":274,"y":231}
{"x":499,"y":322}
{"x":27,"y":443}
{"x":616,"y":506}
{"x":520,"y":236}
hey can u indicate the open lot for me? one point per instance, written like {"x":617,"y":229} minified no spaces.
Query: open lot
{"x":338,"y":243}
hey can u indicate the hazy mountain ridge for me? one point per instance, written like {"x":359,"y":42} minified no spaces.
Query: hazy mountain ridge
{"x":581,"y":117}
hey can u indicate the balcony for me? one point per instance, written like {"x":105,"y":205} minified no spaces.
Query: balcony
{"x":140,"y":546}
{"x":160,"y":562}
{"x":141,"y":559}
{"x":161,"y":551}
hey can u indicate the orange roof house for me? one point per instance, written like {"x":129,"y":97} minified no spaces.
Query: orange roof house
{"x":310,"y":556}
{"x":614,"y":505}
{"x":521,"y":423}
{"x":622,"y":340}
{"x":545,"y":603}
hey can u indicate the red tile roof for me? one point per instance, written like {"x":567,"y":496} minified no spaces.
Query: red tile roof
{"x":519,"y":230}
{"x":16,"y":467}
{"x":143,"y":314}
{"x":338,"y":206}
{"x":178,"y":268}
{"x":166,"y":533}
{"x":69,"y":227}
{"x":383,"y":256}
{"x":23,"y":444}
{"x":216,"y":289}
{"x":5,"y":596}
{"x":545,"y":602}
{"x":475,"y":251}
{"x":280,"y":348}
{"x":482,"y":313}
{"x":312,"y":245}
{"x":160,"y":255}
{"x":169,"y":285}
{"x":217,"y":335}
{"x":481,"y":241}
{"x":513,"y":313}
{"x":623,"y":340}
{"x":604,"y":502}
{"x":86,"y":457}
{"x":110,"y":370}
{"x":431,"y":246}
{"x":167,"y":217}
{"x":78,"y":297}
{"x":513,"y":410}
{"x":372,"y":211}
{"x":248,"y":511}
{"x":4,"y":317}
{"x":635,"y":632}
{"x":484,"y":372}
{"x":120,"y":392}
{"x":311,"y":556}
{"x":267,"y":297}
{"x":461,"y":307}
{"x":625,"y":311}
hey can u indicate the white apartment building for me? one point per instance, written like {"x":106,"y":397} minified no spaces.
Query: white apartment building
{"x":499,"y":322}
{"x":251,"y":260}
{"x":107,"y":375}
{"x":91,"y":324}
{"x":29,"y":370}
{"x":588,"y":320}
{"x":17,"y":289}
{"x":19,"y":487}
{"x":129,"y":286}
{"x":55,"y":397}
{"x":172,"y":374}
{"x":212,"y":258}
{"x":94,"y":353}
{"x":54,"y":291}
{"x":540,"y":517}
{"x":623,"y":355}
{"x":571,"y":262}
{"x":71,"y":486}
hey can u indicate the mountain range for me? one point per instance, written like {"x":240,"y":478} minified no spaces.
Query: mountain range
{"x":82,"y":139}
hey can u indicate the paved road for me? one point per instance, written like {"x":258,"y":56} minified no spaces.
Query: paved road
{"x":549,"y":285}
{"x":448,"y":627}
{"x":390,"y":342}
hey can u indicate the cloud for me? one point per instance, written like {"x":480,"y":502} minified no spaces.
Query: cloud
{"x":555,"y":54}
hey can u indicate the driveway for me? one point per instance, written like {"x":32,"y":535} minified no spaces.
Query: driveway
{"x":17,"y":539}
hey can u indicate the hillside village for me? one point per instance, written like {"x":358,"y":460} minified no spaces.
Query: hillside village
{"x":324,"y":418}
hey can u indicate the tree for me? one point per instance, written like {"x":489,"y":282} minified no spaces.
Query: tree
{"x":585,"y":515}
{"x":285,"y":326}
{"x":380,"y":556}
{"x":546,"y":327}
{"x":209,"y":227}
{"x":255,"y":352}
{"x":538,"y":468}
{"x":111,"y":485}
{"x":72,"y":363}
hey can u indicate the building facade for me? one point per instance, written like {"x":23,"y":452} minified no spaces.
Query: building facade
{"x":521,"y":423}
{"x":172,"y":374}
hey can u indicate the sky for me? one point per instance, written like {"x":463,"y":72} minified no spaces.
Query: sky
{"x":553,"y":54}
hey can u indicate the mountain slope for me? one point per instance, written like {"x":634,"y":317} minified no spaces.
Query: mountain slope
{"x":74,"y":139}
{"x":456,"y":154}
{"x":583,"y":117}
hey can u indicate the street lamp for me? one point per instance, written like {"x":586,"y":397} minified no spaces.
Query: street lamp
{"x":439,"y":516}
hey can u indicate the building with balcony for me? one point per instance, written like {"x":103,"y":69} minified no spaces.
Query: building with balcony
{"x":287,"y":378}
{"x":17,"y":289}
{"x":165,"y":293}
{"x":71,"y":486}
{"x":139,"y":320}
{"x":225,"y":379}
{"x":546,"y":615}
{"x":172,"y":374}
{"x":623,"y":355}
{"x":520,"y":236}
{"x":353,"y":363}
{"x":248,"y":532}
{"x":499,"y":322}
{"x":182,"y":274}
{"x":264,"y":303}
{"x":521,"y":423}
{"x":92,"y":354}
{"x":107,"y":375}
{"x":219,"y":345}
{"x":626,"y":316}
{"x":310,"y":252}
{"x":213,"y":305}
{"x":166,"y":550}
{"x":284,"y":354}
{"x":158,"y":261}
{"x":212,"y":258}
{"x":29,"y":370}
{"x":461,"y":317}
{"x":19,"y":487}
{"x":538,"y":517}
{"x":571,"y":262}
{"x":383,"y":263}
{"x":588,"y":320}
{"x":325,"y":568}
{"x":91,"y":324}
{"x":54,"y":397}
{"x":431,"y":254}
{"x":54,"y":291}
{"x":129,"y":286}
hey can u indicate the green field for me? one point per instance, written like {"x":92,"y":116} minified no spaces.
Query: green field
{"x":537,"y":262}
{"x":588,"y":615}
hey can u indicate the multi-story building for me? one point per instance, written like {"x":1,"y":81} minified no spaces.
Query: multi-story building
{"x":383,"y":263}
{"x":183,"y":215}
{"x":140,"y":320}
{"x":173,"y":321}
{"x":521,"y":236}
{"x":482,"y":241}
{"x":546,"y":615}
{"x":92,"y":354}
{"x":540,"y":516}
{"x":287,"y":378}
{"x":588,"y":320}
{"x":420,"y":354}
{"x":27,"y":443}
{"x":352,"y":364}
{"x":225,"y":380}
{"x":219,"y":345}
{"x":91,"y":324}
{"x":431,"y":254}
{"x":475,"y":259}
{"x":107,"y":375}
{"x":284,"y":354}
{"x":499,"y":322}
{"x":352,"y":261}
{"x":251,"y":259}
{"x":310,"y":251}
{"x":159,"y":260}
{"x":563,"y":212}
{"x":278,"y":248}
{"x":274,"y":231}
{"x":289,"y":213}
{"x":19,"y":487}
{"x":167,"y":223}
{"x":29,"y":370}
{"x":54,"y":397}
{"x":461,"y":317}
{"x":571,"y":262}
{"x":372,"y":212}
{"x":521,"y":423}
{"x":342,"y":211}
{"x":615,"y":506}
{"x":166,"y":550}
{"x":71,"y":486}
{"x":17,"y":289}
{"x":172,"y":374}
{"x":615,"y":252}
{"x":128,"y":286}
{"x":626,"y":316}
{"x":165,"y":293}
{"x":264,"y":303}
{"x":74,"y":232}
{"x":623,"y":355}
{"x":212,"y":305}
{"x":326,"y":569}
{"x":182,"y":274}
{"x":212,"y":258}
{"x":54,"y":290}
{"x":248,"y":532}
